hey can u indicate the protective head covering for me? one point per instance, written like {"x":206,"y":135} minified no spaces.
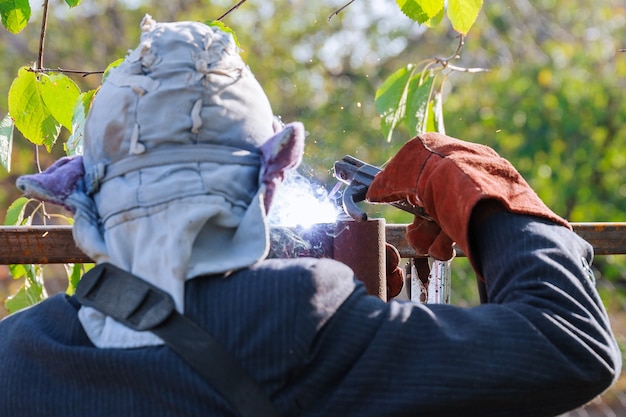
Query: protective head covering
{"x":181,"y":156}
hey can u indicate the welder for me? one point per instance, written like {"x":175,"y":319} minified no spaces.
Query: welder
{"x":183,"y":315}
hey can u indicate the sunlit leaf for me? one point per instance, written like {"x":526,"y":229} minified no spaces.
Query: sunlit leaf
{"x":221,"y":26}
{"x":74,"y":272}
{"x":112,"y":65}
{"x":59,"y":93}
{"x":463,"y":14}
{"x":435,"y":20}
{"x":6,"y":142}
{"x":72,"y":3}
{"x":27,"y":296}
{"x":391,"y":99}
{"x":15,"y":14}
{"x":438,"y":113}
{"x":18,"y":271}
{"x":431,"y":126}
{"x":420,"y":10}
{"x":417,"y":104}
{"x":74,"y":144}
{"x":15,"y":213}
{"x":31,"y":292}
{"x":29,"y":111}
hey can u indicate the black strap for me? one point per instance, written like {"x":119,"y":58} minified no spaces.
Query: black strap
{"x":142,"y":306}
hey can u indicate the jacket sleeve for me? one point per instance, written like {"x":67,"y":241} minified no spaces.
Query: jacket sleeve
{"x":542,"y":346}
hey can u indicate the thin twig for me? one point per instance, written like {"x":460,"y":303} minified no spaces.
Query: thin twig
{"x":339,"y":10}
{"x":65,"y":71}
{"x":236,"y":6}
{"x":37,"y":158}
{"x":462,"y":69}
{"x":621,"y":50}
{"x":445,"y":62}
{"x":455,"y":55}
{"x":42,"y":35}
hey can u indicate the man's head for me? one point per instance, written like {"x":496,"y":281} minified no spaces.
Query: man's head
{"x":181,"y":156}
{"x":182,"y":132}
{"x":185,"y":84}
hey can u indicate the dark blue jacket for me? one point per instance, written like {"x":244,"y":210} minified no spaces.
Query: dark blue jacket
{"x":320,"y":346}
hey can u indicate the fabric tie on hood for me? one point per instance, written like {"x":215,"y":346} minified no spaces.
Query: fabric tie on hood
{"x":181,"y":156}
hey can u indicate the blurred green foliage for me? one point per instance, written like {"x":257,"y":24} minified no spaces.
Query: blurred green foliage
{"x":551,"y":102}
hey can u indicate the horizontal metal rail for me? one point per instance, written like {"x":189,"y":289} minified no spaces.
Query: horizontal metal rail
{"x":55,"y":244}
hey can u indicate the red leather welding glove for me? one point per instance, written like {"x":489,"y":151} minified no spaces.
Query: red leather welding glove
{"x":448,"y":177}
{"x":394,"y":274}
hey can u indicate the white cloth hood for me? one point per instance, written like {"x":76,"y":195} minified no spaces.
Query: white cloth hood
{"x":181,"y":154}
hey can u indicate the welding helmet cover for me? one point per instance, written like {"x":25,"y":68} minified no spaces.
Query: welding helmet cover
{"x":181,"y":151}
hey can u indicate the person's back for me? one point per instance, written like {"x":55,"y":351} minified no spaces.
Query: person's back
{"x":181,"y":201}
{"x":265,"y":315}
{"x":319,"y":345}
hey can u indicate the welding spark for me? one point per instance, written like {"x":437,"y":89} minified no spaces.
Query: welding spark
{"x":300,"y":203}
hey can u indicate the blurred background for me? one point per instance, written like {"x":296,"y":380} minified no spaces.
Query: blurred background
{"x":552,"y":100}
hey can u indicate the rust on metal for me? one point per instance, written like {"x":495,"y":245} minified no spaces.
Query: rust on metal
{"x":361,"y":246}
{"x":606,"y":238}
{"x":55,"y":244}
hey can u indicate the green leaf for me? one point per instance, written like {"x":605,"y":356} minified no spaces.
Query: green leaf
{"x":15,"y":14}
{"x":74,"y":144}
{"x":26,"y":297}
{"x":221,"y":26}
{"x":72,"y":3}
{"x":29,"y":111}
{"x":420,"y":10}
{"x":6,"y":142}
{"x":15,"y":213}
{"x":431,"y":126}
{"x":59,"y":93}
{"x":391,"y":99}
{"x":31,"y":292}
{"x":463,"y":14}
{"x":74,"y":273}
{"x":112,"y":65}
{"x":435,"y":20}
{"x":18,"y":271}
{"x":419,"y":94}
{"x":438,"y":113}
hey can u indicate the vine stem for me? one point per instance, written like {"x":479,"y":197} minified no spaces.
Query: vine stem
{"x":42,"y":35}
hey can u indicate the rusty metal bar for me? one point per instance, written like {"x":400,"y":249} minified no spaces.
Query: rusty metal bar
{"x":39,"y":245}
{"x":361,"y":246}
{"x":55,"y":244}
{"x":606,"y":238}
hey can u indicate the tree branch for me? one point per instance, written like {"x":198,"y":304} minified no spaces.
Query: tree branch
{"x":42,"y":35}
{"x":236,"y":6}
{"x":339,"y":10}
{"x":445,"y":62}
{"x":65,"y":71}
